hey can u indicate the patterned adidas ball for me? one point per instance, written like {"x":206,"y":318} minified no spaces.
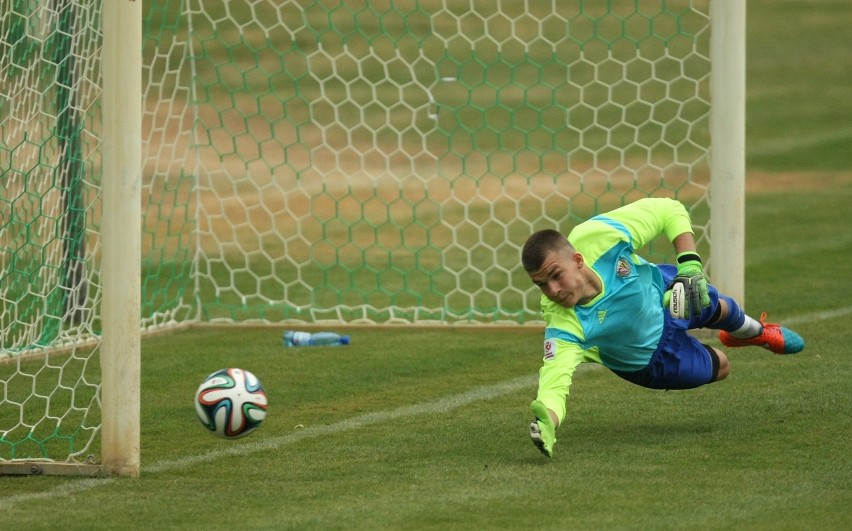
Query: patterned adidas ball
{"x":231,"y":403}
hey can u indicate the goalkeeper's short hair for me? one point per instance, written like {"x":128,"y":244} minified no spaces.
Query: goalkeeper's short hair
{"x":539,"y":245}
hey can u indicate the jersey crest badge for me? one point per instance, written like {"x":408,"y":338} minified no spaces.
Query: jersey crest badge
{"x":601,"y":316}
{"x":622,"y":269}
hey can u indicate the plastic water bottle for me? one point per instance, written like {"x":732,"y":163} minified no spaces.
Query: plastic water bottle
{"x":293,"y":338}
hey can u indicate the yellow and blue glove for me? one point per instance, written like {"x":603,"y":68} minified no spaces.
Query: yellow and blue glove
{"x":687,"y":295}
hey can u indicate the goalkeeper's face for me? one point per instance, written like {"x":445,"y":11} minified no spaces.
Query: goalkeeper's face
{"x":561,"y":278}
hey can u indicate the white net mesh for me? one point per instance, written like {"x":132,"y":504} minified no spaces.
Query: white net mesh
{"x":385,"y":162}
{"x":311,"y":161}
{"x":50,"y":159}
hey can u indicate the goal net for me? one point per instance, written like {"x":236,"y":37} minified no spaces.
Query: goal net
{"x":384,"y":161}
{"x":313,"y":161}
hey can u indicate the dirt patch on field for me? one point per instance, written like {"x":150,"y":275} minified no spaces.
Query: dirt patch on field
{"x":763,"y":182}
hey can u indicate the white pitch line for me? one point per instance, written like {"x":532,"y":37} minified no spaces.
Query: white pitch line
{"x":441,"y":405}
{"x":818,"y":316}
{"x":52,"y":494}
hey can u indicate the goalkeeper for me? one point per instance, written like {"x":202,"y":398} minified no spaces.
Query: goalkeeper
{"x":603,"y":303}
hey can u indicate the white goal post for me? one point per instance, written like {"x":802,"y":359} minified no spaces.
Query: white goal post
{"x":121,"y":233}
{"x":727,"y":155}
{"x":310,"y":162}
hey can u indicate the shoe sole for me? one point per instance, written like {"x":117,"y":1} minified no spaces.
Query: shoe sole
{"x":733,"y":343}
{"x":792,"y":343}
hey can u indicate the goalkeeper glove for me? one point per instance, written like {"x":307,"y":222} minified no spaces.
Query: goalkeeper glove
{"x":687,"y":295}
{"x":542,"y":429}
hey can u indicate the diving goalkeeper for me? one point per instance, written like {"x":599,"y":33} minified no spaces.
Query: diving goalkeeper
{"x":603,"y":303}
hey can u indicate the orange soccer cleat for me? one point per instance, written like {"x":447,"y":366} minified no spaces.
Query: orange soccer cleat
{"x":774,"y":337}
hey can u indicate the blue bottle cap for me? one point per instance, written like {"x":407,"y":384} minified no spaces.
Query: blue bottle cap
{"x":344,"y":340}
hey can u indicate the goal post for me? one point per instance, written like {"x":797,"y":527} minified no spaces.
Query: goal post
{"x":727,"y":156}
{"x":70,"y":237}
{"x":121,"y":236}
{"x":310,"y":162}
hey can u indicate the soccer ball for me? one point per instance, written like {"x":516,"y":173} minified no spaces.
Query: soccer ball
{"x":231,"y":403}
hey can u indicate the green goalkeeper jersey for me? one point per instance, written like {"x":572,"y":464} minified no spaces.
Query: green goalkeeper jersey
{"x":621,"y":327}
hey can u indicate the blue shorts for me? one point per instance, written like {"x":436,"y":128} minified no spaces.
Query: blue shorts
{"x":680,"y":361}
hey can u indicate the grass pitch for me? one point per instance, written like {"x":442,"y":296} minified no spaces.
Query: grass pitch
{"x":426,"y":428}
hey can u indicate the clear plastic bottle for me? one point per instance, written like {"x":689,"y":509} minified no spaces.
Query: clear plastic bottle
{"x":293,"y":338}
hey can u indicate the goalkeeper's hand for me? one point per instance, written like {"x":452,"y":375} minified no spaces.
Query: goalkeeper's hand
{"x":542,"y":429}
{"x":687,"y":295}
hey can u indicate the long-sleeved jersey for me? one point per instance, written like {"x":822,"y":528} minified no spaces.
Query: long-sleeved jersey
{"x":621,"y":327}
